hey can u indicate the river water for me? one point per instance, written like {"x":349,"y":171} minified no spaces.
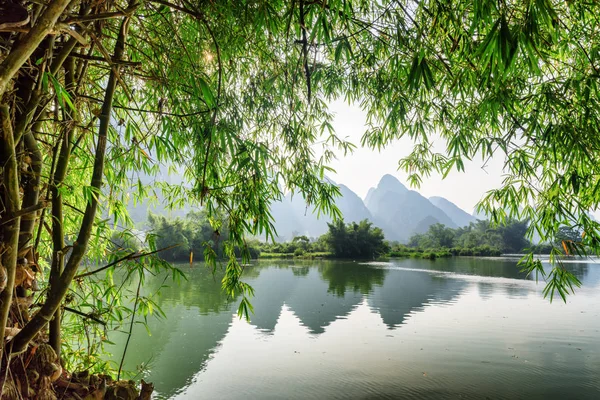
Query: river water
{"x":458,"y":328}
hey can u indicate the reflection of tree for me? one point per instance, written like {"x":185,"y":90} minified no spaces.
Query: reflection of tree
{"x":180,"y":345}
{"x":202,"y":290}
{"x":485,"y":289}
{"x":517,"y":291}
{"x":351,"y":276}
{"x":301,"y":271}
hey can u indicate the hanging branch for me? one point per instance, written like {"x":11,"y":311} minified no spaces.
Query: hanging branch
{"x":305,"y":50}
{"x":216,"y":109}
{"x":137,"y":297}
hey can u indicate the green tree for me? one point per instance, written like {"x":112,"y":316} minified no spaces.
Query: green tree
{"x":566,"y":233}
{"x":355,"y":240}
{"x":440,"y":235}
{"x":508,"y":237}
{"x":302,"y":241}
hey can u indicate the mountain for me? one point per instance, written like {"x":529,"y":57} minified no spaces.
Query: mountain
{"x":352,"y":207}
{"x":369,"y":194}
{"x":456,"y":214}
{"x":387,"y":185}
{"x":401,"y":212}
{"x":293,"y":217}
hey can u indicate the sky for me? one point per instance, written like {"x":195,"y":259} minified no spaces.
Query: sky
{"x":364,"y":168}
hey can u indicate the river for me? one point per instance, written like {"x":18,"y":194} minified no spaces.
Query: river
{"x":467,"y":328}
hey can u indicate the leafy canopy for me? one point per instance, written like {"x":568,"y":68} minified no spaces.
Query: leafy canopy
{"x":236,"y":94}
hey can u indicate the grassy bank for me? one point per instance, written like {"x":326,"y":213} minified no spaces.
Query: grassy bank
{"x":404,"y":252}
{"x":297,"y":255}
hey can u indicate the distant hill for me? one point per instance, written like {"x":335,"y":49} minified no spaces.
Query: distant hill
{"x":293,"y":217}
{"x":456,"y":214}
{"x":351,"y":206}
{"x":390,"y":205}
{"x":401,"y":212}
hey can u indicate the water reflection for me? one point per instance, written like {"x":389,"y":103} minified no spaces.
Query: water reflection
{"x":317,"y":294}
{"x":330,"y":329}
{"x":409,"y":291}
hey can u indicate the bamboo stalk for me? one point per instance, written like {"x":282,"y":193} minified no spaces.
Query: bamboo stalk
{"x":12,"y":204}
{"x":25,"y":47}
{"x":59,"y":289}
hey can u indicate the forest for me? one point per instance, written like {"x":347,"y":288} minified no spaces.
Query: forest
{"x":234,"y":95}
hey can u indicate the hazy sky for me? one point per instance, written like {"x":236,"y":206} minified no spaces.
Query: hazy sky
{"x":365,"y":167}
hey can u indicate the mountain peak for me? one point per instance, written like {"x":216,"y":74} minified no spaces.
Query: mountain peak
{"x":391,"y":183}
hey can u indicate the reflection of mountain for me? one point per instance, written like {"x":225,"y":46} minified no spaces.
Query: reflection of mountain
{"x":271,"y":289}
{"x":317,"y":296}
{"x":408,"y":291}
{"x":315,"y":306}
{"x":199,"y":326}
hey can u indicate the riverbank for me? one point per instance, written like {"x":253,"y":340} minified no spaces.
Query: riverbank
{"x":429,"y":254}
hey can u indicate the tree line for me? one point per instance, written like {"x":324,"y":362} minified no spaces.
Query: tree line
{"x":187,"y":239}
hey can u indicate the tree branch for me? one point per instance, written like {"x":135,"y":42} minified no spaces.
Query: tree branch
{"x":84,"y":315}
{"x":131,"y":256}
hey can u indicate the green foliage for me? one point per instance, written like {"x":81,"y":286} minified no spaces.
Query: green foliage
{"x":355,"y":240}
{"x":235,"y":94}
{"x":194,"y":238}
{"x":479,"y":238}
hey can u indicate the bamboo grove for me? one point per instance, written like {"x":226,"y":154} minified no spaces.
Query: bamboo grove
{"x":234,"y":95}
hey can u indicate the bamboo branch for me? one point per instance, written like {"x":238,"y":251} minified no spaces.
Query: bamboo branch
{"x":84,"y":315}
{"x":101,"y":16}
{"x":131,"y":256}
{"x":60,"y":172}
{"x":110,"y":62}
{"x":24,"y":211}
{"x":137,"y":297}
{"x":25,"y":47}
